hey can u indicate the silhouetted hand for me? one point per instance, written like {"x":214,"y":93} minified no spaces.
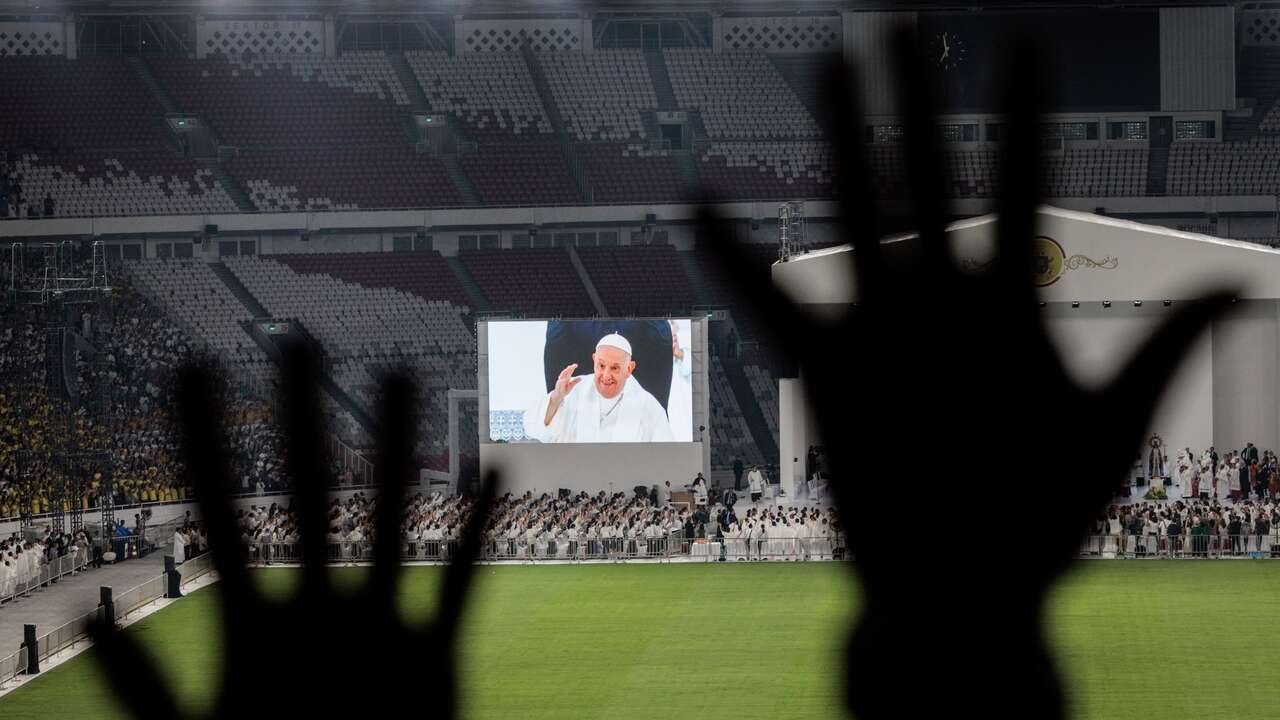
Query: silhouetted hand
{"x":943,"y":406}
{"x":320,"y":653}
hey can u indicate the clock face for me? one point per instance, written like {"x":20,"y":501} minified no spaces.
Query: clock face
{"x":948,"y":50}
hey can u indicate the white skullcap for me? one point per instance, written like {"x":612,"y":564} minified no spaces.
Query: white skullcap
{"x":615,"y":340}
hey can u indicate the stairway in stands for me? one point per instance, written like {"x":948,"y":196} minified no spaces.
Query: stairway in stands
{"x":256,"y":310}
{"x":237,"y":191}
{"x":694,"y":275}
{"x":804,"y":74}
{"x":238,"y":289}
{"x":453,"y":166}
{"x":143,"y":71}
{"x":1157,"y":171}
{"x":1257,"y":77}
{"x":750,"y":406}
{"x":557,"y":123}
{"x":469,"y":285}
{"x":661,"y":80}
{"x":417,"y":99}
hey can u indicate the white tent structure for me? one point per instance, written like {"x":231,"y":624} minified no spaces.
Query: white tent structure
{"x":1227,"y":391}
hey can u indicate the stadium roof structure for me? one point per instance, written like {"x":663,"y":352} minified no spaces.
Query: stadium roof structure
{"x":543,"y":7}
{"x":1078,"y":257}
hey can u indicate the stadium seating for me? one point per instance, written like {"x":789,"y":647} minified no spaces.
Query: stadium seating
{"x":601,"y":94}
{"x":365,"y":330}
{"x":1236,"y":168}
{"x":491,"y":93}
{"x":93,"y":103}
{"x":774,"y":171}
{"x":638,"y":279}
{"x":425,"y":274}
{"x":122,"y":184}
{"x":730,"y":436}
{"x":192,"y":296}
{"x":289,"y":100}
{"x":343,"y":179}
{"x":521,"y":173}
{"x":537,"y":282}
{"x":740,"y":95}
{"x":618,"y":173}
{"x":1096,"y":172}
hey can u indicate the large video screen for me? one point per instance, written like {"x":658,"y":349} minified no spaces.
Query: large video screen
{"x":590,"y":381}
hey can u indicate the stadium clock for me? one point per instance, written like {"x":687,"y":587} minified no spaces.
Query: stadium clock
{"x":948,"y":50}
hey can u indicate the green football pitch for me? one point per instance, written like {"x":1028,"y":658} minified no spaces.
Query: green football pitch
{"x":1135,"y":640}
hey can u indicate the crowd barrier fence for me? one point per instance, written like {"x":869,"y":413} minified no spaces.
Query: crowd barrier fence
{"x":126,"y":603}
{"x":47,"y":573}
{"x":1181,"y":546}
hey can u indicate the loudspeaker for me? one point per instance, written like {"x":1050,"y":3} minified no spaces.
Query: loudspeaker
{"x":650,"y":219}
{"x":305,"y":237}
{"x":210,"y":229}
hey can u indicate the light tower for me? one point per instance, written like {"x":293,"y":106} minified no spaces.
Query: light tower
{"x":790,"y":229}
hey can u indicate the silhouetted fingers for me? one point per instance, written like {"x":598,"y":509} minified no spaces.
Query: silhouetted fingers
{"x":306,"y":461}
{"x":762,"y":300}
{"x":1020,"y":171}
{"x":200,"y":416}
{"x":1129,"y":403}
{"x":927,"y":173}
{"x":397,"y":428}
{"x":457,"y":580}
{"x":854,"y":183}
{"x":132,"y":675}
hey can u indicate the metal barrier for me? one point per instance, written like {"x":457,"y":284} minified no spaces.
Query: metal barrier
{"x":47,"y":573}
{"x":67,"y":634}
{"x":521,"y":549}
{"x":12,"y":666}
{"x":1181,"y":546}
{"x":134,"y":598}
{"x":195,"y":567}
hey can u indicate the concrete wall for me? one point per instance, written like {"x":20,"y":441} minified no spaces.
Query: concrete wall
{"x":592,"y":467}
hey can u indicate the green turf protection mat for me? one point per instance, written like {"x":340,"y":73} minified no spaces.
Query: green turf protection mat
{"x":1138,"y":640}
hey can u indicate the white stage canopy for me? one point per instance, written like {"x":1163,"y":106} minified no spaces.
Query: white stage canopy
{"x":1227,"y":391}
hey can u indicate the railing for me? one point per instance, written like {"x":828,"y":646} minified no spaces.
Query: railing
{"x":12,"y":666}
{"x":582,"y":549}
{"x":134,"y":598}
{"x":67,"y":634}
{"x":57,"y":568}
{"x":1181,"y":546}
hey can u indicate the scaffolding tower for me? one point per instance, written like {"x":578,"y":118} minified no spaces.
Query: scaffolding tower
{"x":49,"y":289}
{"x":791,"y":229}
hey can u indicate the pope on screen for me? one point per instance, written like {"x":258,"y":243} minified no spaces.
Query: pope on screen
{"x":612,"y":408}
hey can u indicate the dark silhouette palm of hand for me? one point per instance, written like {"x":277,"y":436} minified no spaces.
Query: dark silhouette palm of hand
{"x":939,"y":393}
{"x":321,"y":653}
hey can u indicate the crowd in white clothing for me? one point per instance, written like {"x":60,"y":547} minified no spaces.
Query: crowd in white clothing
{"x":21,"y":560}
{"x":545,"y":526}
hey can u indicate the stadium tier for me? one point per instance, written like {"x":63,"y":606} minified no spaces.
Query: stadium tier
{"x":739,"y":93}
{"x":491,"y":94}
{"x":189,"y":293}
{"x":344,"y":179}
{"x":371,"y":324}
{"x":510,"y":172}
{"x":1231,"y":168}
{"x":538,"y":282}
{"x":93,"y":103}
{"x":425,"y":274}
{"x":118,"y":184}
{"x":289,"y":100}
{"x":639,"y":280}
{"x":767,"y":170}
{"x":600,"y":95}
{"x":617,"y":173}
